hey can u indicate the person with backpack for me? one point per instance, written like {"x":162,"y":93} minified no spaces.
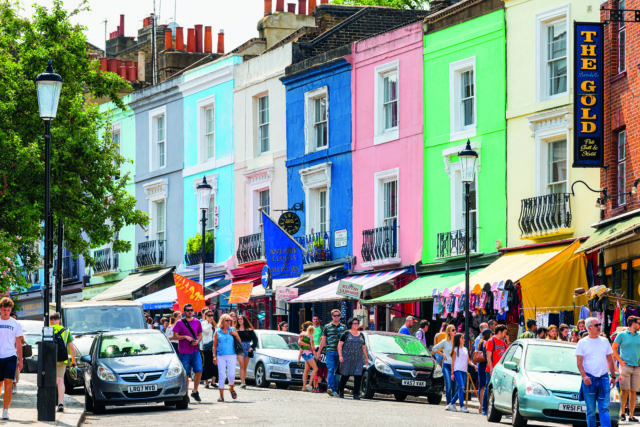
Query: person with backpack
{"x":188,"y":332}
{"x":421,"y":334}
{"x":63,"y":339}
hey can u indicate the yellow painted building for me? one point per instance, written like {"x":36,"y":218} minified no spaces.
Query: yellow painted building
{"x":540,"y":207}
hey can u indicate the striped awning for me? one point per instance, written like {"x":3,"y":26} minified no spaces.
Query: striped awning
{"x":367,"y":281}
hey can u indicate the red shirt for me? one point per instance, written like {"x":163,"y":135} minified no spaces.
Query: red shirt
{"x":497,"y":347}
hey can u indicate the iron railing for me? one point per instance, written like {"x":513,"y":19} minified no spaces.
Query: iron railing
{"x":380,"y":243}
{"x":194,"y":259}
{"x":32,"y":277}
{"x":70,"y":269}
{"x":545,"y":214}
{"x":107,"y":261}
{"x":250,"y":248}
{"x":453,"y":243}
{"x":151,"y":252}
{"x":317,"y":247}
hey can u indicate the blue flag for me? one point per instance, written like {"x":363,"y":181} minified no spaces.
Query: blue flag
{"x":284,"y":255}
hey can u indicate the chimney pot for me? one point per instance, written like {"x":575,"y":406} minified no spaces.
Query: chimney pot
{"x":221,"y":42}
{"x":208,"y":39}
{"x":279,"y":5}
{"x":132,"y":74}
{"x":103,"y":64}
{"x":302,"y":7}
{"x":168,"y":40}
{"x":179,"y":38}
{"x":122,"y":71}
{"x":267,"y":7}
{"x":291,"y":7}
{"x":113,"y":64}
{"x":324,"y":1}
{"x":312,"y":6}
{"x":191,"y":40}
{"x":198,"y":29}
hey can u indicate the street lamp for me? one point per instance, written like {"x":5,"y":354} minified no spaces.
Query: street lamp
{"x":48,"y":85}
{"x":468,"y":158}
{"x":204,"y":197}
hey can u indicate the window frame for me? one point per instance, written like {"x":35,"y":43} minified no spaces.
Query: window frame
{"x":116,"y":129}
{"x":311,"y":145}
{"x":154,"y":154}
{"x":260,"y":205}
{"x":156,"y":210}
{"x":260,"y":125}
{"x":622,"y":35}
{"x":380,"y":179}
{"x":622,"y":195}
{"x":543,"y":21}
{"x":203,"y":150}
{"x":316,"y":178}
{"x":457,"y":129}
{"x":382,"y":134}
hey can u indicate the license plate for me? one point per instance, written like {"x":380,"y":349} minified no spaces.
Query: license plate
{"x":414,"y":383}
{"x":570,"y":407}
{"x":142,"y":388}
{"x":298,"y":371}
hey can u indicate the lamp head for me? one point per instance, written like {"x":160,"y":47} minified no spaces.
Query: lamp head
{"x":204,"y":194}
{"x":48,"y":85}
{"x":468,"y":158}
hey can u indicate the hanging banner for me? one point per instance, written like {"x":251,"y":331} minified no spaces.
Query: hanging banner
{"x":240,"y":293}
{"x":189,"y":292}
{"x":349,"y":289}
{"x":284,"y":254}
{"x":588,"y":115}
{"x":286,"y":294}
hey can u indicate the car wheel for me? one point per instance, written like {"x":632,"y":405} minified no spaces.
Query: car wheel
{"x":88,"y":401}
{"x":261,"y":376}
{"x":365,"y":387}
{"x":400,"y":396}
{"x":493,"y":415}
{"x":516,"y":418}
{"x":282,"y":386}
{"x":434,"y":399}
{"x":184,"y":403}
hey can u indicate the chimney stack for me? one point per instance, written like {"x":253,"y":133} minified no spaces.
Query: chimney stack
{"x":302,"y":7}
{"x":208,"y":39}
{"x":121,"y":27}
{"x":168,"y":40}
{"x":221,"y":42}
{"x":191,"y":40}
{"x":312,"y":6}
{"x":267,"y":7}
{"x":141,"y":66}
{"x":198,"y":29}
{"x":279,"y":5}
{"x":291,"y":7}
{"x":179,"y":38}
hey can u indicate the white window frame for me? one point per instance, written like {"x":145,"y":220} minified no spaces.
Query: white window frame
{"x":621,"y":186}
{"x":257,"y":180}
{"x":212,"y":180}
{"x":314,"y":179}
{"x":156,"y":229}
{"x":457,"y":129}
{"x":258,"y":143}
{"x":383,"y":135}
{"x":309,"y":100}
{"x":203,"y":149}
{"x":258,"y":205}
{"x":116,"y":128}
{"x":543,"y":20}
{"x":546,"y":144}
{"x":156,"y":191}
{"x":547,"y":127}
{"x":154,"y":157}
{"x":380,"y":178}
{"x":622,"y":34}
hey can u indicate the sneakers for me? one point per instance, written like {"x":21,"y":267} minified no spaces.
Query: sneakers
{"x":451,"y":408}
{"x":316,"y":390}
{"x":243,"y":385}
{"x":206,"y":386}
{"x":329,"y":392}
{"x":5,"y":414}
{"x":633,"y":419}
{"x":307,"y":388}
{"x":196,"y":396}
{"x":465,"y":410}
{"x":60,"y":407}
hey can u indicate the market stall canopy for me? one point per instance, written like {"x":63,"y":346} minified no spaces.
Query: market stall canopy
{"x":127,"y":286}
{"x":367,"y":281}
{"x":607,"y":234}
{"x":422,"y":288}
{"x":159,"y":300}
{"x":314,"y":274}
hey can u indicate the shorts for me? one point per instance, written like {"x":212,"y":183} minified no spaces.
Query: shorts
{"x":322,"y":372}
{"x":60,"y":368}
{"x":191,"y":361}
{"x":307,"y":356}
{"x":246,"y":346}
{"x":8,"y":368}
{"x":630,"y":378}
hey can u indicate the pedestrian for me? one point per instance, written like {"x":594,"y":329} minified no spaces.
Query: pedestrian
{"x":353,"y":357}
{"x":249,"y":342}
{"x":482,"y":369}
{"x":421,"y":334}
{"x":164,"y":324}
{"x":476,"y":342}
{"x":442,"y":335}
{"x":169,"y":333}
{"x":574,"y":336}
{"x":317,"y":334}
{"x":496,"y":347}
{"x":189,"y":333}
{"x":408,"y":324}
{"x":209,"y":369}
{"x":156,"y":322}
{"x":283,"y":326}
{"x":234,"y":319}
{"x":10,"y":352}
{"x":541,"y":333}
{"x":61,"y":333}
{"x":460,"y":362}
{"x":594,"y":355}
{"x":308,"y":353}
{"x":530,"y":333}
{"x":564,"y":332}
{"x":626,"y":350}
{"x":331,"y":334}
{"x":581,"y":327}
{"x":492,"y":325}
{"x":553,"y":333}
{"x":443,"y":348}
{"x":149,"y":323}
{"x":224,"y":354}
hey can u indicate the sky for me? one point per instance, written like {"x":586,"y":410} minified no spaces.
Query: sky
{"x":238,"y":18}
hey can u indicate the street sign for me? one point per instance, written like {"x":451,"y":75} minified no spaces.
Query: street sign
{"x":290,"y":222}
{"x":266,"y":277}
{"x":268,"y":292}
{"x":349,"y":289}
{"x":286,"y":294}
{"x":340,"y":238}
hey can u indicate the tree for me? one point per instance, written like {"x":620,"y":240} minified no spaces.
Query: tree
{"x":86,"y":192}
{"x":398,"y":4}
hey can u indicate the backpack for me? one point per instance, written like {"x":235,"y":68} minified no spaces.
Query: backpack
{"x":61,"y":347}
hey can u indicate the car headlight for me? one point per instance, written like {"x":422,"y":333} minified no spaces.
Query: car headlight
{"x":536,"y":389}
{"x":175,"y":369}
{"x":106,"y":374}
{"x":383,"y":367}
{"x":277,"y":361}
{"x":437,"y":372}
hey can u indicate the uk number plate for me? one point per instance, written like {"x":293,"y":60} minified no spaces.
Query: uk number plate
{"x":570,"y":407}
{"x":414,"y":383}
{"x":142,"y":388}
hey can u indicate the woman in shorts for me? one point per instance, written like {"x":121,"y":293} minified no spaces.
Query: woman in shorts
{"x":308,"y":353}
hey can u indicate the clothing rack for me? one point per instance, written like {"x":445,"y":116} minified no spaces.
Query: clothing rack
{"x":546,"y":309}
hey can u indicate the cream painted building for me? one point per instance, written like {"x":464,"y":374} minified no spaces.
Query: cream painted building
{"x":540,"y":207}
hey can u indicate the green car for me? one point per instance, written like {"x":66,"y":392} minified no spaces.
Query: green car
{"x":539,"y":380}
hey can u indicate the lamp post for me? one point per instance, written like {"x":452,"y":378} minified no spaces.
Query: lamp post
{"x":204,"y":197}
{"x":48,"y":85}
{"x":467,"y":158}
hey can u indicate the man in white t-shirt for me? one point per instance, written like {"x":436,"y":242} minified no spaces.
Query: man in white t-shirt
{"x":10,"y":352}
{"x":595,"y":356}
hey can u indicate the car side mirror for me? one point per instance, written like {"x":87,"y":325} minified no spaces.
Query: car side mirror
{"x":512,"y":366}
{"x":86,"y":358}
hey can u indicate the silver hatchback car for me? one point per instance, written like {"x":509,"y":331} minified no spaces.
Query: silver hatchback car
{"x":133,"y":366}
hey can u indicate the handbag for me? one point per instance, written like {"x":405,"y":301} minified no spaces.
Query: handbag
{"x":238,"y":346}
{"x":478,"y":357}
{"x":27,"y":350}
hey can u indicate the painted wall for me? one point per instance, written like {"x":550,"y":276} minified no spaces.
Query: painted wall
{"x":336,"y":76}
{"x":404,"y":46}
{"x":483,"y":38}
{"x":532,"y":119}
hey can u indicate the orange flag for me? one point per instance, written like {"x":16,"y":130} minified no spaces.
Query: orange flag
{"x":189,"y":292}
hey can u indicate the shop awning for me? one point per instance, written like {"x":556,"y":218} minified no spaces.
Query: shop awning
{"x":218,"y":292}
{"x":422,"y":288}
{"x":314,"y":274}
{"x":368,"y":281}
{"x":124,"y":288}
{"x":159,"y":300}
{"x":607,"y":234}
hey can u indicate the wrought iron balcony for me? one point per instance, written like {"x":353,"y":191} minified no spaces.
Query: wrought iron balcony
{"x":69,"y":268}
{"x":380,"y":243}
{"x":151,"y":253}
{"x":250,"y":248}
{"x":453,"y":243}
{"x":317,"y":246}
{"x":32,"y":277}
{"x":194,"y":259}
{"x":544,"y":215}
{"x":107,"y":261}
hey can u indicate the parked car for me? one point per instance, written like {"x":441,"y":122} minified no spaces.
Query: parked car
{"x":133,"y":366}
{"x":32,"y":332}
{"x":539,"y":380}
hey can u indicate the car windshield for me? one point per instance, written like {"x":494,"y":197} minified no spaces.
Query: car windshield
{"x":32,"y":339}
{"x":397,"y":344}
{"x":551,"y":358}
{"x":133,"y":345}
{"x":82,"y":320}
{"x":280,"y":342}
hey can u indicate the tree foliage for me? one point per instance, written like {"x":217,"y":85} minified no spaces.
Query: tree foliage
{"x":86,"y":192}
{"x":398,"y":4}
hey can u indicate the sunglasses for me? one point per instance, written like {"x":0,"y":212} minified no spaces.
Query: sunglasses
{"x":227,"y":320}
{"x":335,"y":315}
{"x":188,"y":310}
{"x":209,"y":315}
{"x":597,"y":325}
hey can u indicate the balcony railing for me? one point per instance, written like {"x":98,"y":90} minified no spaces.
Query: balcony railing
{"x":380,"y":243}
{"x":69,"y":268}
{"x":453,"y":243}
{"x":151,"y":252}
{"x":546,"y":214}
{"x":107,"y":261}
{"x":32,"y":277}
{"x":317,"y":246}
{"x":194,"y":259}
{"x":250,"y":248}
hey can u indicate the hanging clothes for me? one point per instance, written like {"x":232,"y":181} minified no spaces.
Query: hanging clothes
{"x":567,"y":317}
{"x":615,"y":322}
{"x":584,"y":312}
{"x":554,"y":319}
